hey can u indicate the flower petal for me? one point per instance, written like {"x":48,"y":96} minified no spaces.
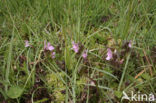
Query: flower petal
{"x":53,"y":55}
{"x":50,"y":47}
{"x":75,"y":47}
{"x":27,"y":43}
{"x":85,"y":54}
{"x":109,"y":54}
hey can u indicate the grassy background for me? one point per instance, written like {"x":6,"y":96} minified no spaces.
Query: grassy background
{"x":27,"y":75}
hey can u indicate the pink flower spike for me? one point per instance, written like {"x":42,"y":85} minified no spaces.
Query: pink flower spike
{"x":130,"y":44}
{"x":75,"y":47}
{"x":85,"y":54}
{"x":53,"y":55}
{"x":27,"y":43}
{"x":50,"y":47}
{"x":109,"y":54}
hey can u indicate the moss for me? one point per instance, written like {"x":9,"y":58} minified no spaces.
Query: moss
{"x":80,"y":84}
{"x":55,"y":81}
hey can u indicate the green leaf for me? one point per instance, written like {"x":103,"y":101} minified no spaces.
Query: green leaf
{"x":14,"y":92}
{"x":146,"y":76}
{"x":42,"y":100}
{"x":118,"y":94}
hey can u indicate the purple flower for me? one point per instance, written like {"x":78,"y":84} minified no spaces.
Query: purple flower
{"x":53,"y":55}
{"x":48,"y":46}
{"x":109,"y":54}
{"x":75,"y":47}
{"x":130,"y":44}
{"x":27,"y":43}
{"x":85,"y":54}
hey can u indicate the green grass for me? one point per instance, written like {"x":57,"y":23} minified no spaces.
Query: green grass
{"x":31,"y":75}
